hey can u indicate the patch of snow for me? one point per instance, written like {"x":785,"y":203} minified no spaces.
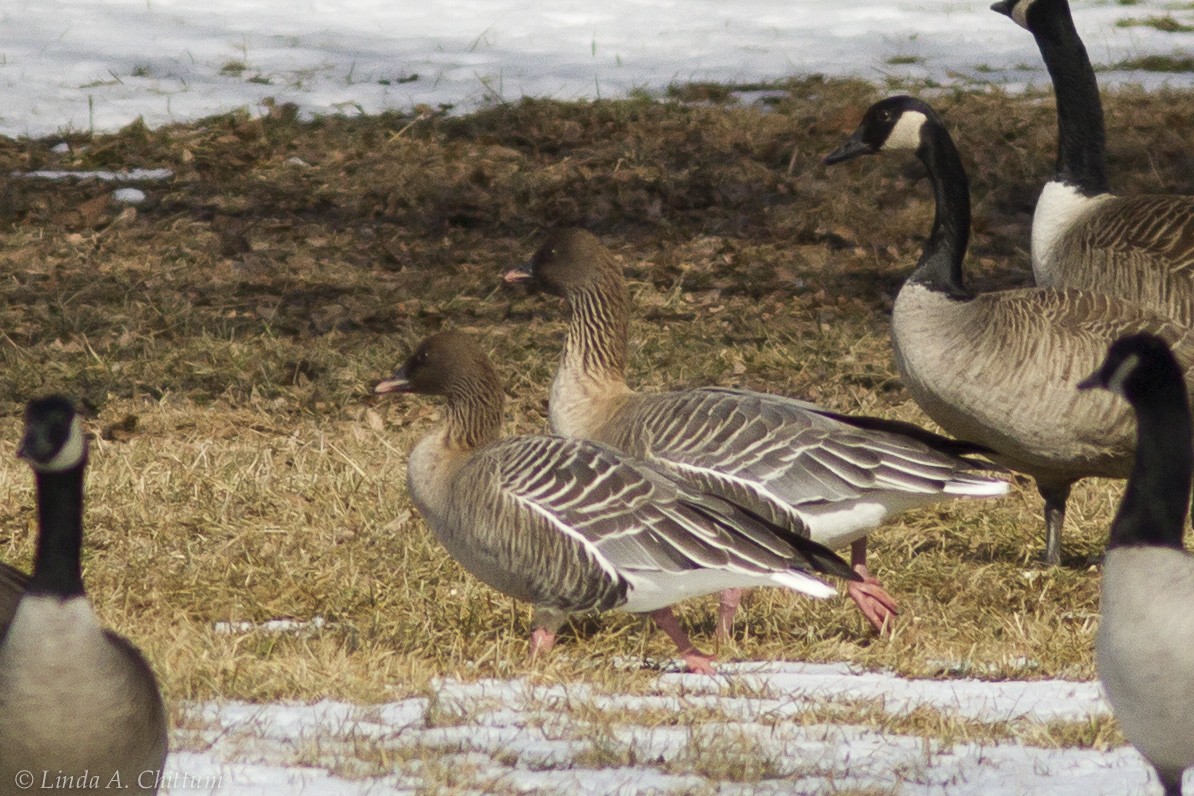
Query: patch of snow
{"x":101,"y":64}
{"x":270,"y":625}
{"x":129,"y":196}
{"x":131,"y":175}
{"x":522,"y":736}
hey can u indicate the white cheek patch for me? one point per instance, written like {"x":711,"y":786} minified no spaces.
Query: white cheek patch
{"x":1116,"y":382}
{"x":72,"y":452}
{"x":906,"y":133}
{"x":1020,"y":13}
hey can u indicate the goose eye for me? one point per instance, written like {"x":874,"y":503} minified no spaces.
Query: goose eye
{"x":885,"y":116}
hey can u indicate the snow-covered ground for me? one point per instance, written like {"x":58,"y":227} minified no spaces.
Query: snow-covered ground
{"x":99,"y":64}
{"x":515,"y":736}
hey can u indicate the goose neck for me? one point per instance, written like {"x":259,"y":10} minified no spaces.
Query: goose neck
{"x":940,"y":265}
{"x":474,"y":414}
{"x":1081,"y":140}
{"x":596,"y":344}
{"x":57,"y":567}
{"x":1153,"y":511}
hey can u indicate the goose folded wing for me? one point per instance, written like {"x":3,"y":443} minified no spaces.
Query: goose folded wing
{"x":1156,"y":231}
{"x":624,"y":517}
{"x":1091,"y":322}
{"x":12,"y":586}
{"x":776,"y":454}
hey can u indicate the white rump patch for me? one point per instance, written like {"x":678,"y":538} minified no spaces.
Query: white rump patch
{"x":651,"y":590}
{"x":1057,"y":209}
{"x":906,"y":133}
{"x":991,"y":488}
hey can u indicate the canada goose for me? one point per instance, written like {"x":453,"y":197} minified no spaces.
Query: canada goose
{"x":76,"y":699}
{"x":1001,"y":368}
{"x":1136,"y":247}
{"x":825,"y":475}
{"x":12,"y":586}
{"x":570,"y":525}
{"x":1144,"y":649}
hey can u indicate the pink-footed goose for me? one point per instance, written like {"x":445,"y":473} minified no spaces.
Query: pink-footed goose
{"x":1144,"y":650}
{"x":824,"y":475}
{"x":74,"y":697}
{"x":1001,"y":368}
{"x":1136,"y":247}
{"x":571,"y":525}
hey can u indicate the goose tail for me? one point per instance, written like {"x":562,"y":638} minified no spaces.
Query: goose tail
{"x":976,"y":486}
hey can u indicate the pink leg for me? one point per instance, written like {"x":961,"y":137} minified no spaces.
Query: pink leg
{"x":696,"y":661}
{"x":542,"y":641}
{"x":879,"y":607}
{"x":725,"y":615}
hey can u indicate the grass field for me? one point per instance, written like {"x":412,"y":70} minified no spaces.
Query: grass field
{"x":224,"y":338}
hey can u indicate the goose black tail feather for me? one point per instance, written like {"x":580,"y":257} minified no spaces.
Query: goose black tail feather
{"x":816,"y":557}
{"x":958,"y":448}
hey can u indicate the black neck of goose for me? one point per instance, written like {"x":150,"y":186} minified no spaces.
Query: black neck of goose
{"x":1081,"y":141}
{"x":599,"y":328}
{"x":940,"y":266}
{"x":1153,"y":511}
{"x":475,"y":405}
{"x":57,"y":568}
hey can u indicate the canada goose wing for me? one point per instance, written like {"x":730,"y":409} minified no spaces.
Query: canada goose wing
{"x":1009,"y":366}
{"x":1087,"y":318}
{"x":754,"y":448}
{"x":1156,"y":230}
{"x":12,"y":587}
{"x":145,"y":701}
{"x":582,"y":523}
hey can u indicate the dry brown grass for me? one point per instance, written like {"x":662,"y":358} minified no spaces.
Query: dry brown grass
{"x":243,"y":314}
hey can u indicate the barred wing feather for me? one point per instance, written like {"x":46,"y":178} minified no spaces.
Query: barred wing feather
{"x":594,"y":525}
{"x":781,"y":456}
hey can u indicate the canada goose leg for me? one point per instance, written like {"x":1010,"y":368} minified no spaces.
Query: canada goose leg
{"x":1055,"y":500}
{"x":1171,"y":781}
{"x":727,"y":607}
{"x":879,"y":607}
{"x":696,"y":661}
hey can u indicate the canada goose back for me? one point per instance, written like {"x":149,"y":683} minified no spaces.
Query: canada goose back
{"x":1144,"y":649}
{"x":1000,"y":369}
{"x":1138,"y":248}
{"x":75,"y":698}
